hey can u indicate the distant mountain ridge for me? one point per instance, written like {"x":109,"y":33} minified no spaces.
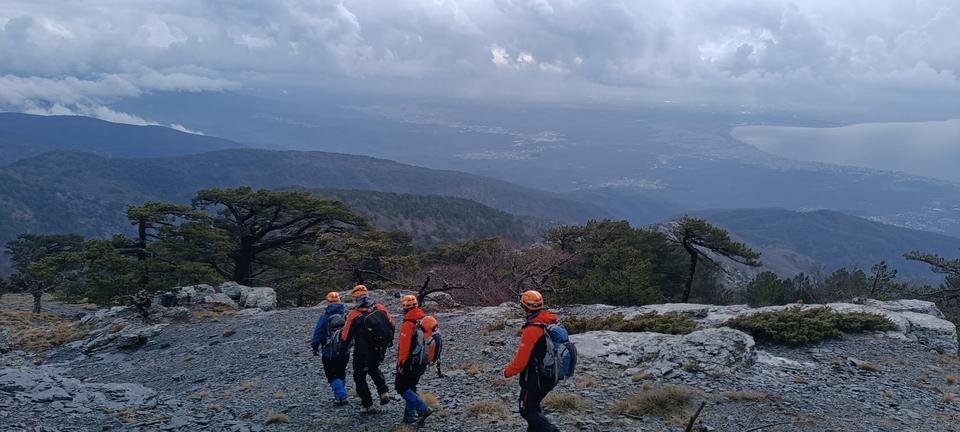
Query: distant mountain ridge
{"x":794,"y":242}
{"x":25,"y":135}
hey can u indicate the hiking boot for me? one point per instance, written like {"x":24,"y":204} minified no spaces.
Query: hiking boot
{"x":341,"y":401}
{"x":410,"y":420}
{"x":423,"y":416}
{"x":384,"y":398}
{"x":368,"y":410}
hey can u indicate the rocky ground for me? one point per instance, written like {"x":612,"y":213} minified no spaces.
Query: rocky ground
{"x":217,"y":368}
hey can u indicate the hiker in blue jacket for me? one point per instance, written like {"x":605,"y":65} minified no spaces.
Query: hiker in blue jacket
{"x":336,"y":353}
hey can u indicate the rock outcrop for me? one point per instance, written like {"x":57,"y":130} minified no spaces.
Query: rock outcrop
{"x":716,"y":350}
{"x":6,"y":340}
{"x":45,"y":385}
{"x":229,"y":294}
{"x":916,"y":320}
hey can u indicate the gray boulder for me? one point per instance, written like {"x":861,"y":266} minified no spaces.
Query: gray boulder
{"x":193,"y":293}
{"x":219,"y":298}
{"x":263,"y":298}
{"x":714,"y":350}
{"x":136,"y":335}
{"x":441,"y":299}
{"x":233,"y":290}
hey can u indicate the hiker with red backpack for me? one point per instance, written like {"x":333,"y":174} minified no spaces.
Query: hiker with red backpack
{"x":370,"y":327}
{"x":418,"y":347}
{"x":544,"y":358}
{"x":336,"y":353}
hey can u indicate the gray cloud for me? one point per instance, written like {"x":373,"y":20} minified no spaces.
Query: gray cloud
{"x":763,"y":51}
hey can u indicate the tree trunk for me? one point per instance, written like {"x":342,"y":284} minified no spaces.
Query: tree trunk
{"x":36,"y":302}
{"x":142,"y":253}
{"x":243,"y":267}
{"x":694,"y":257}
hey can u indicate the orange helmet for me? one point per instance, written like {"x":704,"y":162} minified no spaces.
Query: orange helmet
{"x":532,"y":300}
{"x":333,"y":297}
{"x":359,"y":291}
{"x":429,"y":323}
{"x":409,"y":301}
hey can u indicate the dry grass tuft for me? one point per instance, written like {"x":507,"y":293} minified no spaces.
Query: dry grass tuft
{"x":472,"y":369}
{"x":500,"y":383}
{"x":800,"y":380}
{"x":127,"y":416}
{"x":586,"y":382}
{"x":199,"y":395}
{"x":245,"y":386}
{"x":691,"y":367}
{"x":39,"y":332}
{"x":664,"y":401}
{"x":565,"y":402}
{"x":189,"y":358}
{"x":277,"y":418}
{"x":280,"y":395}
{"x":869,"y":367}
{"x":213,"y":312}
{"x":952,"y":379}
{"x":430,"y":399}
{"x":640,"y":376}
{"x":745,"y":396}
{"x":490,"y":408}
{"x":215,"y":407}
{"x":229,"y":332}
{"x":948,"y":398}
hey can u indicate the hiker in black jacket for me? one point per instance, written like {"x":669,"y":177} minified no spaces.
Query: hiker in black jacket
{"x":371,"y":328}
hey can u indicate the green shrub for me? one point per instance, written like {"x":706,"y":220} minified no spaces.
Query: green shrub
{"x":651,"y":322}
{"x":794,"y":326}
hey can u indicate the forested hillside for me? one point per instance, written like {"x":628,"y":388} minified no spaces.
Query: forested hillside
{"x":794,"y":242}
{"x":25,"y":135}
{"x":83,"y":193}
{"x":433,"y":219}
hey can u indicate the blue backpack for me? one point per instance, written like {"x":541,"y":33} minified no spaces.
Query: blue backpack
{"x":559,"y":361}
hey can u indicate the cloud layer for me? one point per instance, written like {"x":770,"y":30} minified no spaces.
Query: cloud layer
{"x":73,"y":54}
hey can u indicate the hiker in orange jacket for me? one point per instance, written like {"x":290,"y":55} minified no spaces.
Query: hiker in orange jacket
{"x":529,"y":354}
{"x":371,"y":328}
{"x":409,"y":369}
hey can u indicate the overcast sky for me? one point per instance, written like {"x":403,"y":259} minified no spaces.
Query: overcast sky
{"x":77,"y":56}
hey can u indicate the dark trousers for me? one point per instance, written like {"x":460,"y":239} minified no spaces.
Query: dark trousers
{"x":409,"y":379}
{"x":532,"y":393}
{"x":406,"y":385}
{"x":335,"y":367}
{"x":366,"y":361}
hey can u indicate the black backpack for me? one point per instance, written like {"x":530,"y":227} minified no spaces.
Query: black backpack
{"x":377,"y":327}
{"x":335,"y":325}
